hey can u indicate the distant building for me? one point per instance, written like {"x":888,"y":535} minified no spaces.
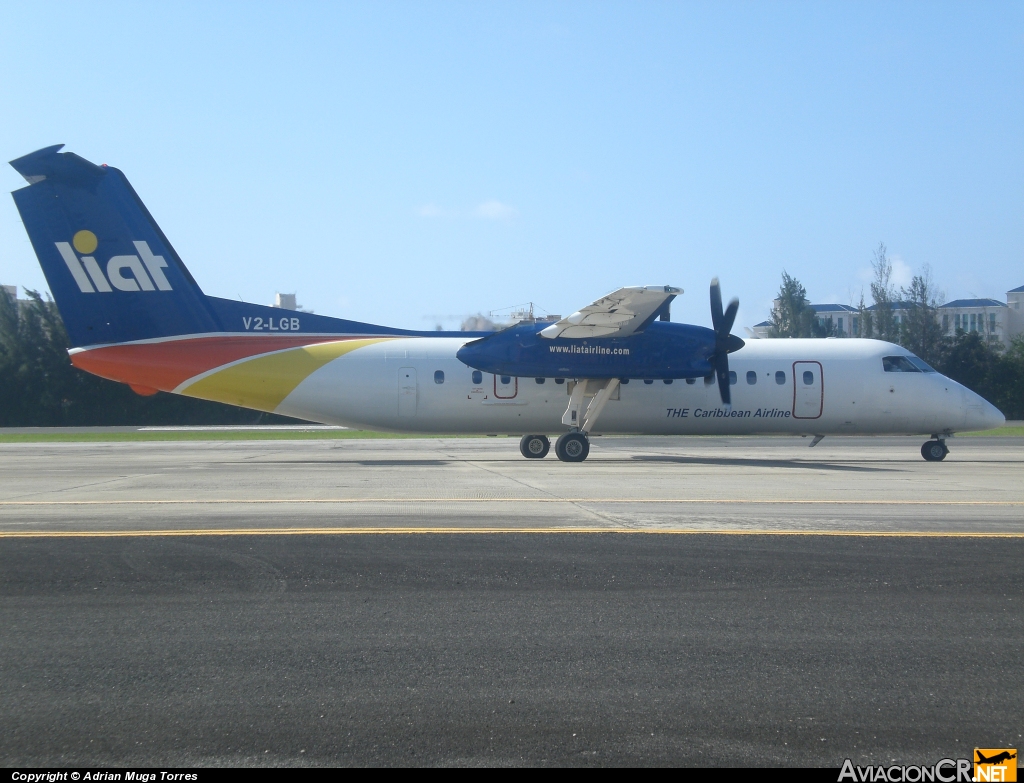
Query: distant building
{"x":899,"y":312}
{"x":998,"y":321}
{"x":845,"y":320}
{"x":12,"y":291}
{"x":478,"y":323}
{"x":287,"y":302}
{"x":1015,"y":310}
{"x":989,"y":317}
{"x":505,"y":318}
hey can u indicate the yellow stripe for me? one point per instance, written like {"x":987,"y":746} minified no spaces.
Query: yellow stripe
{"x":263,"y":382}
{"x":370,"y":531}
{"x":394,"y":501}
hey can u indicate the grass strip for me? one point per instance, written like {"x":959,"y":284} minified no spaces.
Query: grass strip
{"x":1002,"y":432}
{"x":193,"y":435}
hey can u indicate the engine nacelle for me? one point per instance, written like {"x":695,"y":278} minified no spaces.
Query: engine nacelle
{"x":663,"y":350}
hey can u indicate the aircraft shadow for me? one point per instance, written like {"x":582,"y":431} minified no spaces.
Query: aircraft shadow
{"x":721,"y":461}
{"x":383,"y":463}
{"x":759,"y":463}
{"x":369,"y":463}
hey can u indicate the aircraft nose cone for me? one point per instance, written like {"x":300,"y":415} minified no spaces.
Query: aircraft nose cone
{"x":467,"y":353}
{"x":982,"y":415}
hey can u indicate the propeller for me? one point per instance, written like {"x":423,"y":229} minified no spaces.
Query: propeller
{"x":725,"y":343}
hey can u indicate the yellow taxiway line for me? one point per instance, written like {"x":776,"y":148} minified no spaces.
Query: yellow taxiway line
{"x":393,"y":501}
{"x":370,"y":531}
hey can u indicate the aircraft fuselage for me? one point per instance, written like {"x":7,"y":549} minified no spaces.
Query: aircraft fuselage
{"x":781,"y":386}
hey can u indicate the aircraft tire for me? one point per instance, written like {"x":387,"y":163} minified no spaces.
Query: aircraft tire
{"x":534,"y":446}
{"x":934,"y":451}
{"x":572,"y":447}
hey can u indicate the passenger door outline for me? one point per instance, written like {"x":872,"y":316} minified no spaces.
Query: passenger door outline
{"x":514,"y":386}
{"x":805,"y":400}
{"x":407,"y":392}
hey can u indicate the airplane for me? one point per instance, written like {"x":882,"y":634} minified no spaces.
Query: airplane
{"x":135,"y":314}
{"x":996,"y":759}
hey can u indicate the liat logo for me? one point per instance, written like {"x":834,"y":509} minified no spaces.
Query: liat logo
{"x":125,"y":273}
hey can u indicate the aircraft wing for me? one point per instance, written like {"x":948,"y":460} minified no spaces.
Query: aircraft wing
{"x":618,"y":314}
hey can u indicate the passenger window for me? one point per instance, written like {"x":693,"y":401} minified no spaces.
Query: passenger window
{"x":478,"y":377}
{"x":668,"y":381}
{"x":732,"y":377}
{"x":438,"y":376}
{"x":709,"y":380}
{"x":691,"y":381}
{"x":623,"y":381}
{"x":539,"y":380}
{"x":559,"y":380}
{"x":648,"y":381}
{"x":780,"y":377}
{"x":506,"y":379}
{"x":898,"y":364}
{"x":808,"y":378}
{"x":751,"y":377}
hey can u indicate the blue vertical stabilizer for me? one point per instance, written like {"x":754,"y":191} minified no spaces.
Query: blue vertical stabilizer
{"x":111,"y":270}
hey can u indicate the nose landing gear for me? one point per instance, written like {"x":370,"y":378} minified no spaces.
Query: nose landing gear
{"x":935,"y":450}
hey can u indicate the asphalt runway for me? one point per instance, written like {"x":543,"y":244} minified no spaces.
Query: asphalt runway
{"x":700,"y":601}
{"x":706,"y":484}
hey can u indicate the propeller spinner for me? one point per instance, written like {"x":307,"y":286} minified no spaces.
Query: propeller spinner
{"x":725,"y":343}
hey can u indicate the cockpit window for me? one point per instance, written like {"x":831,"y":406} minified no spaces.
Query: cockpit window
{"x":898,"y":364}
{"x":920,"y":364}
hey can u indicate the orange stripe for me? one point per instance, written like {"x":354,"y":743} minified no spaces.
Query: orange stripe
{"x":167,"y":365}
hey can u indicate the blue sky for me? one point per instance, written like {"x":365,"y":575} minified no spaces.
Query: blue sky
{"x":405,"y":163}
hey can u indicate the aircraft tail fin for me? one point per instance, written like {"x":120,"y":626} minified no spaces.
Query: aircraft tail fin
{"x":113,"y":274}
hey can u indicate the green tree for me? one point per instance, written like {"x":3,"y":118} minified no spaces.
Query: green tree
{"x":884,"y":326}
{"x":9,"y":349}
{"x":34,"y":365}
{"x":921,"y":331}
{"x":791,"y":316}
{"x":865,"y":323}
{"x":999,"y":378}
{"x":1005,"y":382}
{"x":968,"y":360}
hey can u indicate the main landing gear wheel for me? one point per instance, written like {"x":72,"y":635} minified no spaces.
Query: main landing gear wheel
{"x":572,"y":447}
{"x":934,"y":451}
{"x":534,"y":446}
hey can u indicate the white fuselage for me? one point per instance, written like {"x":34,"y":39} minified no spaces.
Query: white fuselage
{"x":820,"y":387}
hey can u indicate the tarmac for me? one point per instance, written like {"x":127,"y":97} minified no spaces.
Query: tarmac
{"x":686,"y":601}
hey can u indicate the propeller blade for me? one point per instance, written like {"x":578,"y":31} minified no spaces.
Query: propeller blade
{"x":722,"y":371}
{"x":716,"y":305}
{"x":725,"y":343}
{"x":730,"y":316}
